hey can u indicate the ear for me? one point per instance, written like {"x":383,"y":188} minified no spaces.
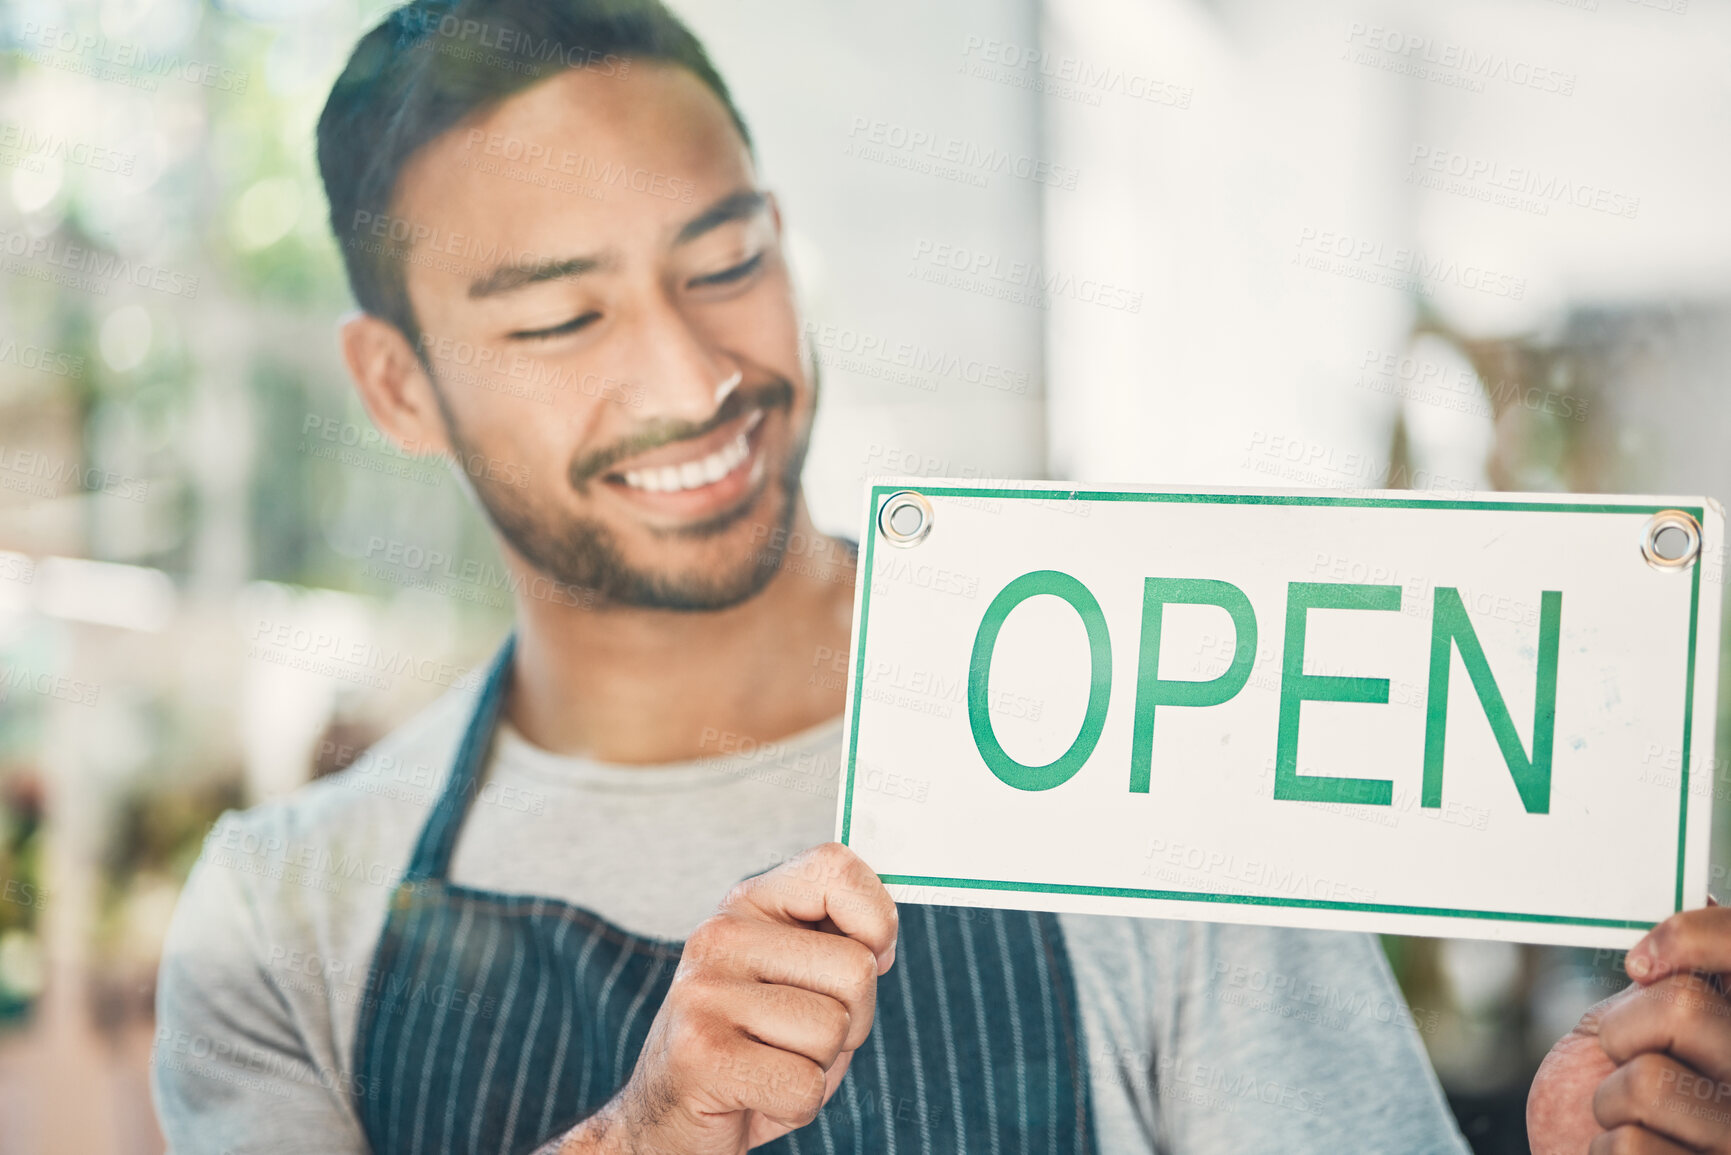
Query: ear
{"x":393,"y":385}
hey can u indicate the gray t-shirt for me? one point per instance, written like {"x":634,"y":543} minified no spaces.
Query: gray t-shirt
{"x":1200,"y":1037}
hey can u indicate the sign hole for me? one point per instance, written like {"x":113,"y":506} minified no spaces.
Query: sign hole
{"x":905,"y":518}
{"x":1671,"y":541}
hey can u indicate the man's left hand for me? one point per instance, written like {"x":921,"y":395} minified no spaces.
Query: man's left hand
{"x":1648,"y":1070}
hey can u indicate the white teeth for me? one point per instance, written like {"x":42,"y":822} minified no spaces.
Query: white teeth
{"x":693,"y":474}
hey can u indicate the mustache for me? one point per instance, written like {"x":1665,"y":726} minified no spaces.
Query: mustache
{"x":777,"y":394}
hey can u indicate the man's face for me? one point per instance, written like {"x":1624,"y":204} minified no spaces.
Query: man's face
{"x":611,"y":331}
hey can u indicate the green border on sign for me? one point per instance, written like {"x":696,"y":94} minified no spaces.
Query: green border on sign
{"x":879,"y":492}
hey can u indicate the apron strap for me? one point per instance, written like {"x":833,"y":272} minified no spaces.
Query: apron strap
{"x":432,"y":858}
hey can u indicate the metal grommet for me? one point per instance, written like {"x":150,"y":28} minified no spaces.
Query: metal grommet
{"x":905,"y":518}
{"x":1672,"y":540}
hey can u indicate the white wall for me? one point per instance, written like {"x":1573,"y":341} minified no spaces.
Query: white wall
{"x":806,"y":76}
{"x":1302,"y":118}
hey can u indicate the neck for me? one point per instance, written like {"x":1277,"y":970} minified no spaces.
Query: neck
{"x":630,"y":685}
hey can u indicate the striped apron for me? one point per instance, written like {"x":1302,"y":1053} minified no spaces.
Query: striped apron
{"x":494,"y":1022}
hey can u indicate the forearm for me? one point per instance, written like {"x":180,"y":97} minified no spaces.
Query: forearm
{"x":606,"y":1132}
{"x":580,"y":1140}
{"x":596,"y":1135}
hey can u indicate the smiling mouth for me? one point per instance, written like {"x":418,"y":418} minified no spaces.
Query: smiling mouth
{"x":694,"y":472}
{"x":719,"y":461}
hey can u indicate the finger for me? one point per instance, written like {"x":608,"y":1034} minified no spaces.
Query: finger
{"x":762,"y":1129}
{"x":751,"y":1076}
{"x":1594,"y":1016}
{"x":804,"y":1022}
{"x":739,"y":948}
{"x":1633,"y":1141}
{"x":827,"y":882}
{"x":1684,"y":1015}
{"x":1658,"y":1093}
{"x":1693,"y":940}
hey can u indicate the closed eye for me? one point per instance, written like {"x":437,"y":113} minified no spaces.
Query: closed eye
{"x":559,"y":330}
{"x":728,"y":276}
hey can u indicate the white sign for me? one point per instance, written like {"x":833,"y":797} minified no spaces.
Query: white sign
{"x":1487,"y":717}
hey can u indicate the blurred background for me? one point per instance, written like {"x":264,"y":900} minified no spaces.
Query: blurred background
{"x":1478,"y":245}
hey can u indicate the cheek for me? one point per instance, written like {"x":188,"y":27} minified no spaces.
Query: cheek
{"x":784,"y":327}
{"x":509,"y":441}
{"x":503,"y":464}
{"x":762,"y":325}
{"x":541,"y":420}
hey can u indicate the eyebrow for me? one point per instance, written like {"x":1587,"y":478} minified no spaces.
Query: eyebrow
{"x":734,"y":207}
{"x":507,"y":278}
{"x":516,"y":275}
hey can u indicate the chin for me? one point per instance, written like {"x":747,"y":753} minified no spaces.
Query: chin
{"x":700,"y":524}
{"x":723,"y":561}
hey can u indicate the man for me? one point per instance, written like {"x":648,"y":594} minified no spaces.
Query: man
{"x":554,"y":914}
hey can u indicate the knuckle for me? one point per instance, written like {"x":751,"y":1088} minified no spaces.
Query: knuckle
{"x":739,"y":894}
{"x":840,"y":865}
{"x":836,"y":1026}
{"x":1596,"y":1016}
{"x":1625,"y":1028}
{"x":805,"y":1098}
{"x":833,"y":853}
{"x":700,"y":940}
{"x":692,"y":984}
{"x":716,"y":941}
{"x":859,"y":969}
{"x":1646,"y":1075}
{"x":698,"y":957}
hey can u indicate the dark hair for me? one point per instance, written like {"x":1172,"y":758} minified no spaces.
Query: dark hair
{"x":431,"y":63}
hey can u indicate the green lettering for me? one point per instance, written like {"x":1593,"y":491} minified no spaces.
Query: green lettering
{"x":1452,"y":627}
{"x":1153,"y":691}
{"x":1297,"y":687}
{"x":1008,"y":770}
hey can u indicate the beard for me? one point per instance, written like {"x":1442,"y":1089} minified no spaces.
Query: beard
{"x":585,"y":554}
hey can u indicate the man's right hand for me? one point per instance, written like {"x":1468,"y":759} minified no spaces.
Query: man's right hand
{"x":772,"y":996}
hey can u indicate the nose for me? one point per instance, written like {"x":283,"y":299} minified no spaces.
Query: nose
{"x":684,"y":373}
{"x":728,"y":386}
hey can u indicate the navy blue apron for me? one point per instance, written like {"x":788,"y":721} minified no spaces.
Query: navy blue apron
{"x":495,"y":1022}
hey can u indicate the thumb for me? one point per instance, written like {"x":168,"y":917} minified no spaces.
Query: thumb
{"x":1694,"y":940}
